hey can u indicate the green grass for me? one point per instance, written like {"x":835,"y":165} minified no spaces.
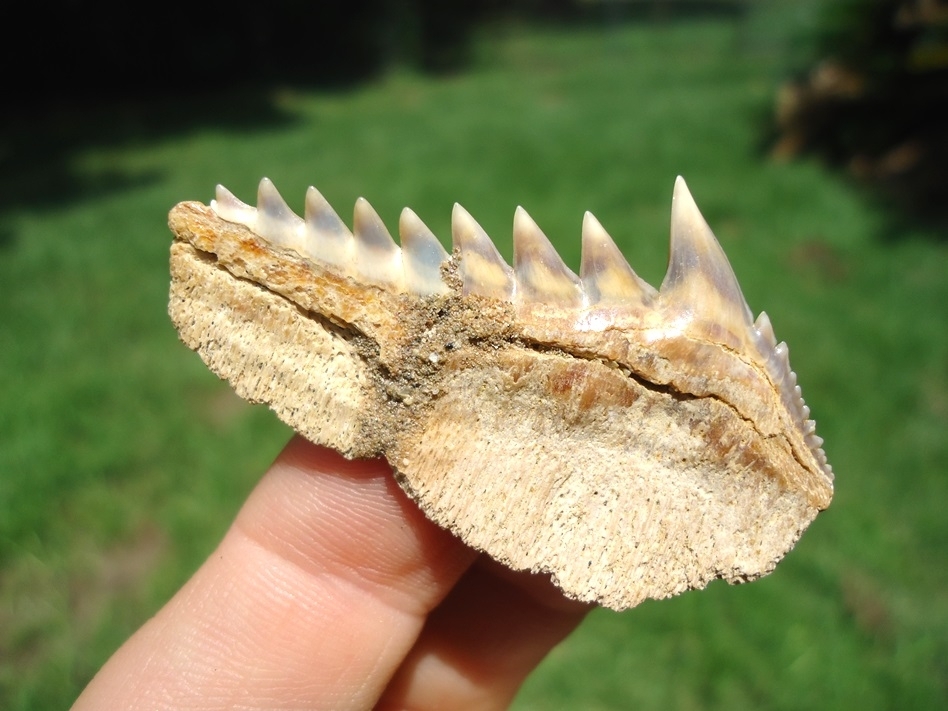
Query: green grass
{"x":122,"y":459}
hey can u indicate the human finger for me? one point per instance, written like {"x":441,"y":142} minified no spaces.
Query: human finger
{"x":313,"y":598}
{"x":482,"y":642}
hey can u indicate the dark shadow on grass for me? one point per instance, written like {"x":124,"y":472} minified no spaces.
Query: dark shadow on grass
{"x":39,"y":153}
{"x":120,"y":83}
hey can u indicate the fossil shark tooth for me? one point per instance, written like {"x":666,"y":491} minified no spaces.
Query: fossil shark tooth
{"x":378,"y":259}
{"x":275,"y":220}
{"x":631,"y":444}
{"x":541,"y":274}
{"x":328,"y":238}
{"x":700,"y":292}
{"x":482,"y":270}
{"x":422,"y":256}
{"x":607,"y":276}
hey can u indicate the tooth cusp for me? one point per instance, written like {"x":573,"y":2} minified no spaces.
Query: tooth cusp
{"x":378,"y":260}
{"x":328,"y":240}
{"x":700,"y":291}
{"x":482,"y":270}
{"x":275,"y":220}
{"x":765,"y":332}
{"x":541,"y":274}
{"x":606,"y":275}
{"x":422,"y":256}
{"x":230,"y":208}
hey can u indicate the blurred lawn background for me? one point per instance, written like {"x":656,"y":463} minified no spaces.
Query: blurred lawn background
{"x":123,"y":460}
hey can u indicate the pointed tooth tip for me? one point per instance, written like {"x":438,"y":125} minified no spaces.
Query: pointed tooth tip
{"x":225,"y":197}
{"x":267,"y":193}
{"x":362,"y":209}
{"x":462,"y":219}
{"x":524,"y":225}
{"x":410,"y":225}
{"x":685,"y":212}
{"x":368,"y":225}
{"x":593,"y":230}
{"x":681,"y":189}
{"x":590,"y":221}
{"x":408,"y":221}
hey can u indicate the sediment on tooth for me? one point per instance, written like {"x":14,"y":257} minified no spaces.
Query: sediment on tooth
{"x":377,"y":259}
{"x":606,"y":275}
{"x":327,"y":237}
{"x":422,"y":256}
{"x":482,"y":270}
{"x":541,"y":274}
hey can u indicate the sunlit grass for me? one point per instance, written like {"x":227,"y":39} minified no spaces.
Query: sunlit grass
{"x":122,"y":459}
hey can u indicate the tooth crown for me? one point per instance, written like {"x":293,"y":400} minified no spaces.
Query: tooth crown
{"x":690,"y":353}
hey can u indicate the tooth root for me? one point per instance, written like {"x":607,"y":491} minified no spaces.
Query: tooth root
{"x":541,"y":274}
{"x":422,"y":256}
{"x":328,"y":240}
{"x":275,"y":220}
{"x":378,"y":259}
{"x":229,"y":208}
{"x":607,"y":276}
{"x":700,"y":291}
{"x":483,"y":271}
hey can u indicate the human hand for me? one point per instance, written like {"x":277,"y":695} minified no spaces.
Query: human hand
{"x":332,"y":591}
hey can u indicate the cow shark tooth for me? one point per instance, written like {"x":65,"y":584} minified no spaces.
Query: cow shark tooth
{"x":630,"y":442}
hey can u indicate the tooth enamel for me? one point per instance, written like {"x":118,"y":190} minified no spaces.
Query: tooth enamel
{"x":275,"y":220}
{"x":607,"y":276}
{"x":328,"y":240}
{"x":229,"y":208}
{"x":377,"y":258}
{"x":483,"y":271}
{"x":700,"y":285}
{"x":766,"y":330}
{"x":541,"y":274}
{"x":422,"y":256}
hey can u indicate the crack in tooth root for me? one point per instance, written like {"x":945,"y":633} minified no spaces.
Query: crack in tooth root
{"x":699,"y":295}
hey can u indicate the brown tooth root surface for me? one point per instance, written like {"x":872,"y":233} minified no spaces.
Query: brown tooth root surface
{"x":621,"y":492}
{"x":626,"y":465}
{"x":219,"y":317}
